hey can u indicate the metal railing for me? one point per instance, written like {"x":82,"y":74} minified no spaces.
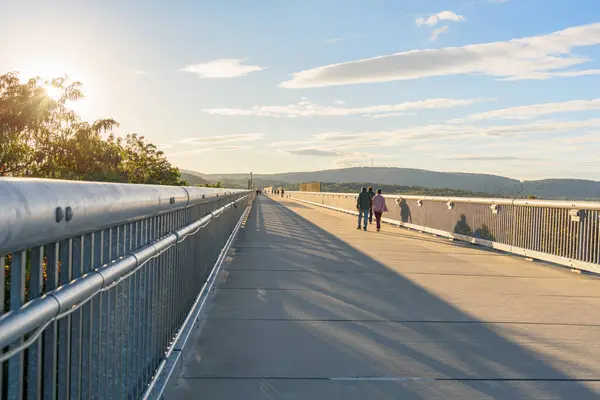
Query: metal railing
{"x":99,"y":279}
{"x":561,"y":232}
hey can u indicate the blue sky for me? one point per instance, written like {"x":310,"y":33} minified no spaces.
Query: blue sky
{"x":504,"y":87}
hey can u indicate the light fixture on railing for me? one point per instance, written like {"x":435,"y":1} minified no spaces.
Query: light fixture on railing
{"x":495,"y":208}
{"x":450,"y":205}
{"x":575,"y":215}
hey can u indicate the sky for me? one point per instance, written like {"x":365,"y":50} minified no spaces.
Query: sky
{"x":507,"y":87}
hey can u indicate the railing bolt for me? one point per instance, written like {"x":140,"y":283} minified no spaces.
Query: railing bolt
{"x":60,"y":214}
{"x":69,"y":214}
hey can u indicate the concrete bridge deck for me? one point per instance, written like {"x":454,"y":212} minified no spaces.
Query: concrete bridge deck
{"x":311,"y":308}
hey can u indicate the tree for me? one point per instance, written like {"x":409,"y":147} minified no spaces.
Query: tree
{"x":41,"y":136}
{"x":142,"y":162}
{"x":212,"y":185}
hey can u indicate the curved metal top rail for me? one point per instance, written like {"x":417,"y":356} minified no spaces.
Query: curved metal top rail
{"x":34,"y":212}
{"x":582,"y":205}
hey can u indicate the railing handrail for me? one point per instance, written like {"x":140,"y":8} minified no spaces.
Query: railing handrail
{"x":584,"y":205}
{"x":39,"y":312}
{"x":38,"y":211}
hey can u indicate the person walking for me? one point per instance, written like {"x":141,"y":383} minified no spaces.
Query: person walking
{"x":371,"y":194}
{"x":363,"y":205}
{"x":379,"y":208}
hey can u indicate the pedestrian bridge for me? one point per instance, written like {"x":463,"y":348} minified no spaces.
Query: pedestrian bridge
{"x":177,"y":293}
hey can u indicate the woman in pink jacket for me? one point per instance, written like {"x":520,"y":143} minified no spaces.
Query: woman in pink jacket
{"x":379,"y":208}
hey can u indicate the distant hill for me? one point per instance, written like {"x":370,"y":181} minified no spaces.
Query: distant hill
{"x":563,"y":188}
{"x":482,"y":183}
{"x":193,"y":178}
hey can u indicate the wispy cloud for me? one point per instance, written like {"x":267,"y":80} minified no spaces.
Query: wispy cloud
{"x":441,"y":16}
{"x":435,"y":34}
{"x":222,"y":68}
{"x":484,"y":158}
{"x":313,"y":152}
{"x":345,"y":37}
{"x":388,"y":115}
{"x":208,"y":150}
{"x":535,"y":110}
{"x":138,"y":72}
{"x":305,"y":108}
{"x":347,"y":142}
{"x":537,"y":57}
{"x":218,"y":140}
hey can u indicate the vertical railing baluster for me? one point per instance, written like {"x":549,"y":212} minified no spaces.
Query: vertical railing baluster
{"x":87,"y":321}
{"x":119,"y":312}
{"x":64,"y":324}
{"x":18,"y":267}
{"x":76,"y":324}
{"x":141,"y":305}
{"x":105,"y":361}
{"x":135,"y":318}
{"x":125,"y":312}
{"x":36,"y":289}
{"x":98,"y":356}
{"x":50,"y":336}
{"x":112,"y":327}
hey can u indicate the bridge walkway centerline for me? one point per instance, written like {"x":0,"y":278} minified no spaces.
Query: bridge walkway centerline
{"x":310,"y":308}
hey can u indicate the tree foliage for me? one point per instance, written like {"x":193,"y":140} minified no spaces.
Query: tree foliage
{"x":40,"y":136}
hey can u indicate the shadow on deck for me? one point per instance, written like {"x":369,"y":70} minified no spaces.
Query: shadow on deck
{"x":302,"y":314}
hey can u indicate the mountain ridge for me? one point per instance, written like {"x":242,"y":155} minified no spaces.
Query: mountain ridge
{"x":476,"y":182}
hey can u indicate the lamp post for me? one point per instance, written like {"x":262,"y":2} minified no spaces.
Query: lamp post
{"x":251,"y":185}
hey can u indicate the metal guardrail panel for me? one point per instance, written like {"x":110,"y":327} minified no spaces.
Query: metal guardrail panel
{"x":100,"y":297}
{"x":37,"y":211}
{"x":562,"y":232}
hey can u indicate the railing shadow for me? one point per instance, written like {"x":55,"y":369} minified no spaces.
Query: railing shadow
{"x":384,"y":315}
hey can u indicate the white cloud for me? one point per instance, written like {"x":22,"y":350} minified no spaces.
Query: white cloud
{"x":211,"y":140}
{"x":547,"y":75}
{"x":209,"y":150}
{"x":345,"y":37}
{"x":441,"y":16}
{"x":313,"y":152}
{"x":388,"y":115}
{"x":535,"y":110}
{"x":344,"y":142}
{"x":138,"y":72}
{"x":222,"y":68}
{"x":339,"y":102}
{"x":305,"y":108}
{"x":468,"y":157}
{"x":537,"y":57}
{"x":435,"y":34}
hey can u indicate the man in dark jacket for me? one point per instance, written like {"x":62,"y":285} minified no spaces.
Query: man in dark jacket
{"x":363,"y":205}
{"x":371,"y":195}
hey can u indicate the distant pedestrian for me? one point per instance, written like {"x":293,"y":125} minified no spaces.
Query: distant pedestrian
{"x":371,"y":194}
{"x":282,"y":192}
{"x":363,"y":205}
{"x":379,"y":208}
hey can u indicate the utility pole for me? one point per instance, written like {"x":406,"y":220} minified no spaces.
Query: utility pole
{"x":251,"y":185}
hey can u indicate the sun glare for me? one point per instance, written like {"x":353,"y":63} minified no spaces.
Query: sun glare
{"x":47,"y":70}
{"x":53,"y":92}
